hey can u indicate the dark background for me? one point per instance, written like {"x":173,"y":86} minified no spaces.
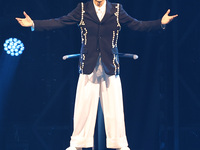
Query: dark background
{"x":160,"y":89}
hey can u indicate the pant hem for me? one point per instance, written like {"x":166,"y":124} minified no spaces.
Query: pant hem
{"x":117,"y":143}
{"x":81,"y":142}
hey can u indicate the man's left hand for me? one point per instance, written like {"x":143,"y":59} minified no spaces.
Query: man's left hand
{"x":166,"y":18}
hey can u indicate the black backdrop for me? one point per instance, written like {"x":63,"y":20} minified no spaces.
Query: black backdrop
{"x":160,"y":89}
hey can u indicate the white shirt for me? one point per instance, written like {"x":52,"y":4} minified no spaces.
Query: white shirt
{"x":100,"y":10}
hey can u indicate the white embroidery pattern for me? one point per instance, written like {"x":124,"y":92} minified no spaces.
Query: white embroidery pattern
{"x":82,"y":39}
{"x":114,"y":41}
{"x":116,"y":63}
{"x":117,"y":15}
{"x":82,"y":63}
{"x":82,"y":23}
{"x":85,"y":35}
{"x":82,"y":14}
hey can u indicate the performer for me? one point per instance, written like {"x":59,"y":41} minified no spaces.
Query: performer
{"x":100,"y":23}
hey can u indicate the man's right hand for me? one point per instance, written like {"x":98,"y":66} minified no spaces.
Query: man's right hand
{"x":25,"y":22}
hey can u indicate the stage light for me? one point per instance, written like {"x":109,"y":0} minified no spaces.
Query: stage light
{"x":13,"y":47}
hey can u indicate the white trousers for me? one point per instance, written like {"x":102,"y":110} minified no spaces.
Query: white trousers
{"x":89,"y":89}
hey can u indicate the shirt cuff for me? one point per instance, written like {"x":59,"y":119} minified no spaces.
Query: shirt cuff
{"x":163,"y":26}
{"x":33,"y":27}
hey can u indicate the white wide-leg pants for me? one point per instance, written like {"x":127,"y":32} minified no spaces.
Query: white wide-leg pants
{"x":89,"y":89}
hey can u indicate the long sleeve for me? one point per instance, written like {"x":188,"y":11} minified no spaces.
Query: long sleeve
{"x":73,"y":17}
{"x":137,"y":25}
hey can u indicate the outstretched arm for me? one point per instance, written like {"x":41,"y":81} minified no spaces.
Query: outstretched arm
{"x":71,"y":18}
{"x":166,"y":18}
{"x":25,"y":22}
{"x":138,"y":25}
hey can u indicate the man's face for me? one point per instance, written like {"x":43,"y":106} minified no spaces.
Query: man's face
{"x":99,"y":1}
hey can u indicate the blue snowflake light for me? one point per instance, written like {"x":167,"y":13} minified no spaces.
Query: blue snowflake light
{"x":13,"y":47}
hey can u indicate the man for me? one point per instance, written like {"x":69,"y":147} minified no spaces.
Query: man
{"x":100,"y":22}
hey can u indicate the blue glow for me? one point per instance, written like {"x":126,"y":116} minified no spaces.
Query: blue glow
{"x":13,"y":46}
